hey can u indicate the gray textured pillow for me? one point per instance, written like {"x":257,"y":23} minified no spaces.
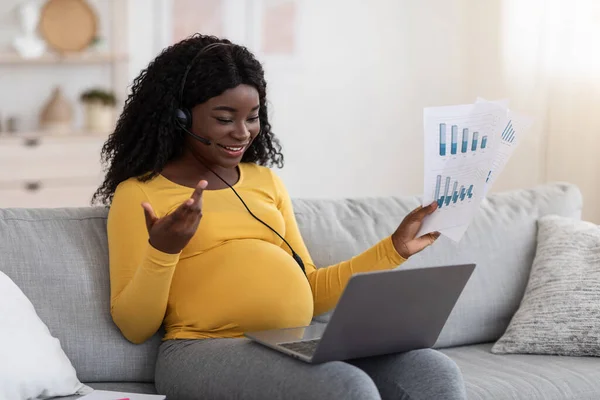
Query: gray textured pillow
{"x":560,"y":310}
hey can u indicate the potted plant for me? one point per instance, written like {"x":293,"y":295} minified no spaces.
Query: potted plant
{"x":99,"y":110}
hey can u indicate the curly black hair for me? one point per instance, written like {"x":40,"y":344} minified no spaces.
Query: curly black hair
{"x":146,"y":136}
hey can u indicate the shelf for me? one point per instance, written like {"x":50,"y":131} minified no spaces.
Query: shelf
{"x":37,"y":184}
{"x":67,"y":58}
{"x":36,"y":135}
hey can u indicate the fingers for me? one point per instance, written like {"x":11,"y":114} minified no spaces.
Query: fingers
{"x":149,"y":214}
{"x":197,"y":195}
{"x":191,"y":209}
{"x":417,"y":245}
{"x":426,"y":240}
{"x":431,"y":208}
{"x":416,"y":210}
{"x":434,"y":235}
{"x":182,"y":211}
{"x":421,"y":212}
{"x":429,"y":238}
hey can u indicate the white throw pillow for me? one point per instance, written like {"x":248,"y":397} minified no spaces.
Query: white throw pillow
{"x":32,"y":362}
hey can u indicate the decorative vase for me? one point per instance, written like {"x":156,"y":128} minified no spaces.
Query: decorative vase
{"x":57,"y":114}
{"x":99,"y":117}
{"x":29,"y":45}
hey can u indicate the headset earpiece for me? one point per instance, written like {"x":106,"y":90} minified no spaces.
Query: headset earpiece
{"x":184,"y":117}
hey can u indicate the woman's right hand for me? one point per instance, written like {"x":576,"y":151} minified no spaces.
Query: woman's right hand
{"x":171,"y":233}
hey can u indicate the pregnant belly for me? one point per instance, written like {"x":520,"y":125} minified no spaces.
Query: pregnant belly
{"x":240,"y":286}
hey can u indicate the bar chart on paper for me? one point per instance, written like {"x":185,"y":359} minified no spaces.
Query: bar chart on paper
{"x":508,"y":142}
{"x":450,"y":191}
{"x":508,"y":135}
{"x":469,"y":140}
{"x":460,"y":146}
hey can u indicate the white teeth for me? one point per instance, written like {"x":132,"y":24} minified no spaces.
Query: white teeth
{"x":234,"y":148}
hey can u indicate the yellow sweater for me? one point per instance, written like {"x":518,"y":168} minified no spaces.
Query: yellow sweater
{"x":234,"y":276}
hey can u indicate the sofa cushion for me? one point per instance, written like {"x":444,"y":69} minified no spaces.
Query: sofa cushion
{"x":526,"y":377}
{"x":59,"y":259}
{"x":501,"y":240}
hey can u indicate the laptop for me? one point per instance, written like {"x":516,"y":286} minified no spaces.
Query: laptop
{"x":381,"y":312}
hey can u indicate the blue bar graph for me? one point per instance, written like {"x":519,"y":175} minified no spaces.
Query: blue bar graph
{"x":506,"y":130}
{"x":442,"y":139}
{"x":447,"y":196}
{"x":511,"y":138}
{"x":465,"y":140}
{"x":475,"y":139}
{"x":454,"y":135}
{"x":438,"y":184}
{"x":508,"y":135}
{"x":452,"y":195}
{"x":455,"y":192}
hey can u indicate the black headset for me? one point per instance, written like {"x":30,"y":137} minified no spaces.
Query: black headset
{"x":183,"y":116}
{"x":183,"y":119}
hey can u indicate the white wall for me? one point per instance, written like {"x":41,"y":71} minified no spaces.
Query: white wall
{"x":369,"y":68}
{"x":349,"y":114}
{"x":143,"y":32}
{"x":485,"y":77}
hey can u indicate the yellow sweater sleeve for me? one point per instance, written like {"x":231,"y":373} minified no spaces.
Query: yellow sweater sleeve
{"x":140,"y":275}
{"x":328,"y":283}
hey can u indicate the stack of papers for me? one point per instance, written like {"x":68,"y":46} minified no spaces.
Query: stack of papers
{"x":110,"y":395}
{"x":466,"y":148}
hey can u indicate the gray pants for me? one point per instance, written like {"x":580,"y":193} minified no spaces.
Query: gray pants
{"x":240,"y":369}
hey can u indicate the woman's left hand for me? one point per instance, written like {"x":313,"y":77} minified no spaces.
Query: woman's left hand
{"x":405,"y":240}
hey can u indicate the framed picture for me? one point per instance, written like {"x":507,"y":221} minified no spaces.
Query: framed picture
{"x":269,"y":28}
{"x":273,"y":27}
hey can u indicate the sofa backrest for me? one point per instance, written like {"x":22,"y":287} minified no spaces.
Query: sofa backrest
{"x":501,"y":240}
{"x":59,"y":258}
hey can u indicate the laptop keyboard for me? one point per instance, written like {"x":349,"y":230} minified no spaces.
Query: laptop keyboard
{"x":305,"y":347}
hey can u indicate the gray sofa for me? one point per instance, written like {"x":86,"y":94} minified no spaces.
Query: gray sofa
{"x":59,"y":259}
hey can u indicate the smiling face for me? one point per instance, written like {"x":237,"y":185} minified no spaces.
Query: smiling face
{"x":230,"y":121}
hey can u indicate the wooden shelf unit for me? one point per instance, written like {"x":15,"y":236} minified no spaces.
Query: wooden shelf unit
{"x":90,"y":57}
{"x":49,"y":169}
